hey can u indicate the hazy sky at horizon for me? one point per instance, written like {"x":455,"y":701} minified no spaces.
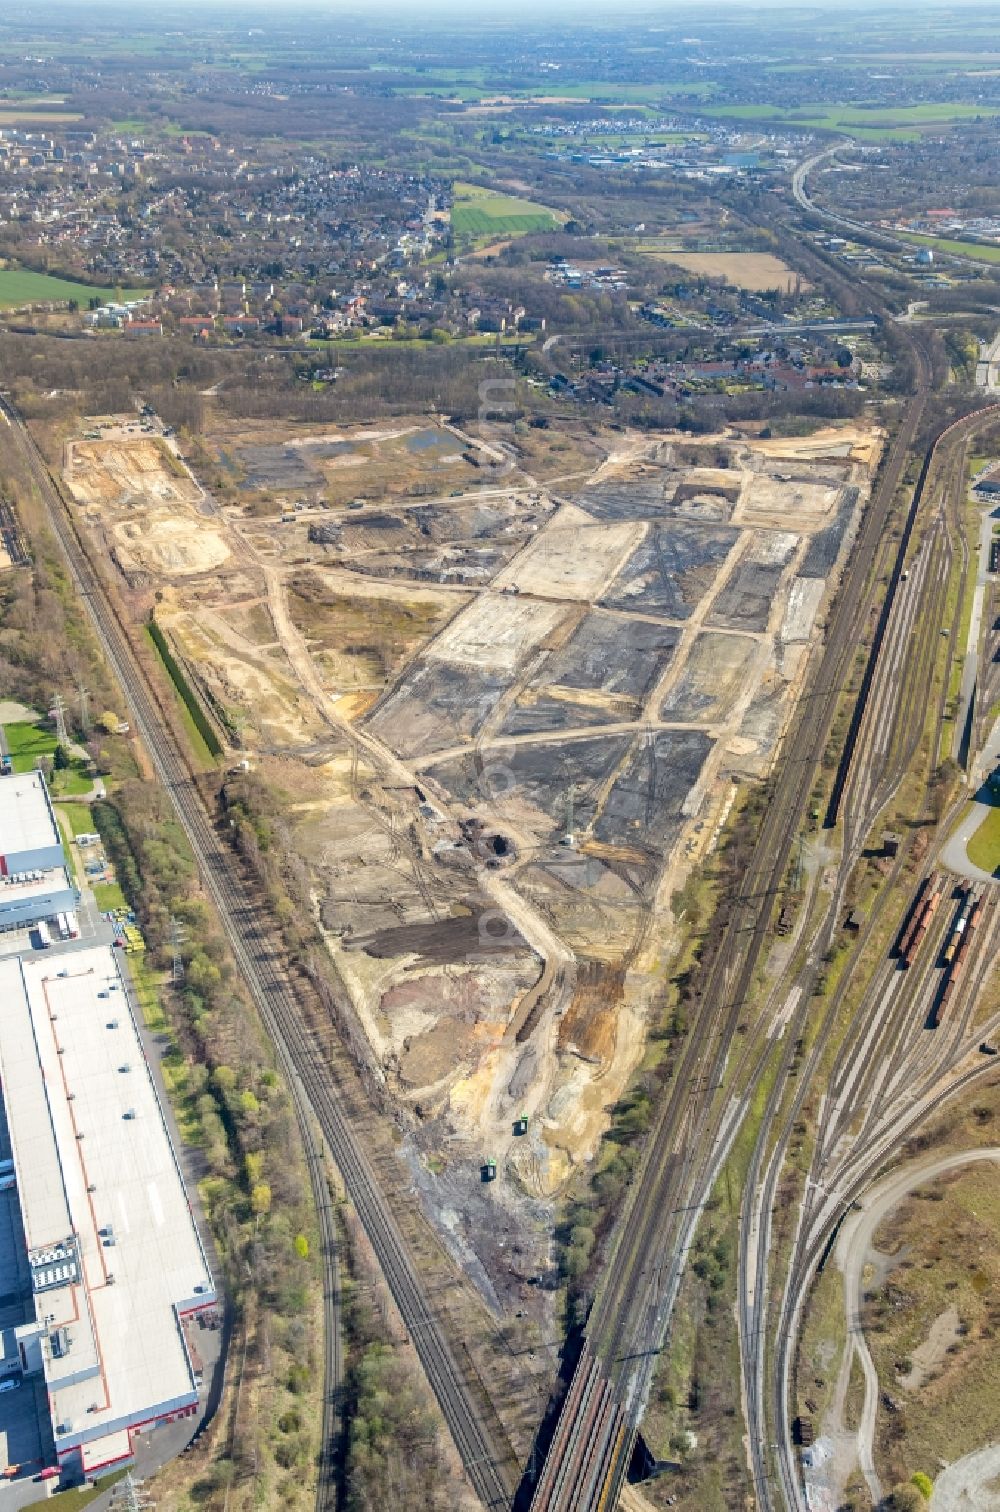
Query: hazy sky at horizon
{"x":539,"y":9}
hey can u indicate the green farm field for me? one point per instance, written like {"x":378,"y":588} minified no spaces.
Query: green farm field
{"x":478,"y":213}
{"x":10,"y":115}
{"x":21,"y":286}
{"x":900,"y":122}
{"x":978,"y":250}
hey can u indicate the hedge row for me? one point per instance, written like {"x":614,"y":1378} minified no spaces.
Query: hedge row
{"x":184,"y":688}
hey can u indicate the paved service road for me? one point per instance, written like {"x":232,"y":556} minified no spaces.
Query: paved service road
{"x":853,"y":1245}
{"x":988,"y":366}
{"x":970,"y":666}
{"x":970,"y":1484}
{"x":955,"y":854}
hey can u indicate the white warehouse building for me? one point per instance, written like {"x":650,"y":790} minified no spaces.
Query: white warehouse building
{"x":117,"y":1264}
{"x":34,"y":883}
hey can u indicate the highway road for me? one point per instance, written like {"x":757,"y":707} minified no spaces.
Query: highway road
{"x":320,"y":1109}
{"x":856,"y":227}
{"x":988,"y":366}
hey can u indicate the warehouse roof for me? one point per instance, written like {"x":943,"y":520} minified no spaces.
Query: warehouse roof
{"x":23,"y":886}
{"x":115,"y":1255}
{"x":26,"y":819}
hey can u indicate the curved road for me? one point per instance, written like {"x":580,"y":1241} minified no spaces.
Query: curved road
{"x":846,"y":223}
{"x":970,"y":1484}
{"x":956,"y":853}
{"x":852,"y":1249}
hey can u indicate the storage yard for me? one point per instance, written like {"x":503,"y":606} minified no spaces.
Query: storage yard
{"x":500,"y":717}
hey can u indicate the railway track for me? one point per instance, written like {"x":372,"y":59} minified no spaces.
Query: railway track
{"x":299,"y":1050}
{"x":631,"y":1316}
{"x":630,"y":1319}
{"x":872,"y":234}
{"x":878,"y":1073}
{"x":839,"y":1182}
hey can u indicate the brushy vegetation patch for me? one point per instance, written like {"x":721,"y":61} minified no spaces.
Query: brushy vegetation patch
{"x":392,"y":1452}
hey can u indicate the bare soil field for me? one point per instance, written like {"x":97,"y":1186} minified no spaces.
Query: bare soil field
{"x":118,"y":472}
{"x":712,"y":678}
{"x":747,"y":270}
{"x":499,"y":728}
{"x":670,"y":571}
{"x":750,"y":593}
{"x":141,"y":497}
{"x":380,"y":630}
{"x":572,"y":558}
{"x":853,"y":442}
{"x":168,"y":546}
{"x":587,"y":659}
{"x":770,"y":502}
{"x":272,"y":467}
{"x":497,"y":632}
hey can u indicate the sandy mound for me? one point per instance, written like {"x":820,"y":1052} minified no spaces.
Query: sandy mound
{"x":169,"y":545}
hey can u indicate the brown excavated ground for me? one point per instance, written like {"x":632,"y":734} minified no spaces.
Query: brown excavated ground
{"x":501,"y":706}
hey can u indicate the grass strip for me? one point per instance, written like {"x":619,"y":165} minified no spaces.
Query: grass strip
{"x":199,"y":719}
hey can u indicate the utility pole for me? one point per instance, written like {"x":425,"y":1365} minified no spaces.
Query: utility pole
{"x":177,"y":936}
{"x":59,"y":714}
{"x":129,"y":1496}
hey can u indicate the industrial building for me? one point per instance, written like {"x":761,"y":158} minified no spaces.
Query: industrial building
{"x":116,"y":1261}
{"x":34,"y":882}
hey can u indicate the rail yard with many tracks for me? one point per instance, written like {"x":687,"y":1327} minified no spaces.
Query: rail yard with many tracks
{"x":561,"y":741}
